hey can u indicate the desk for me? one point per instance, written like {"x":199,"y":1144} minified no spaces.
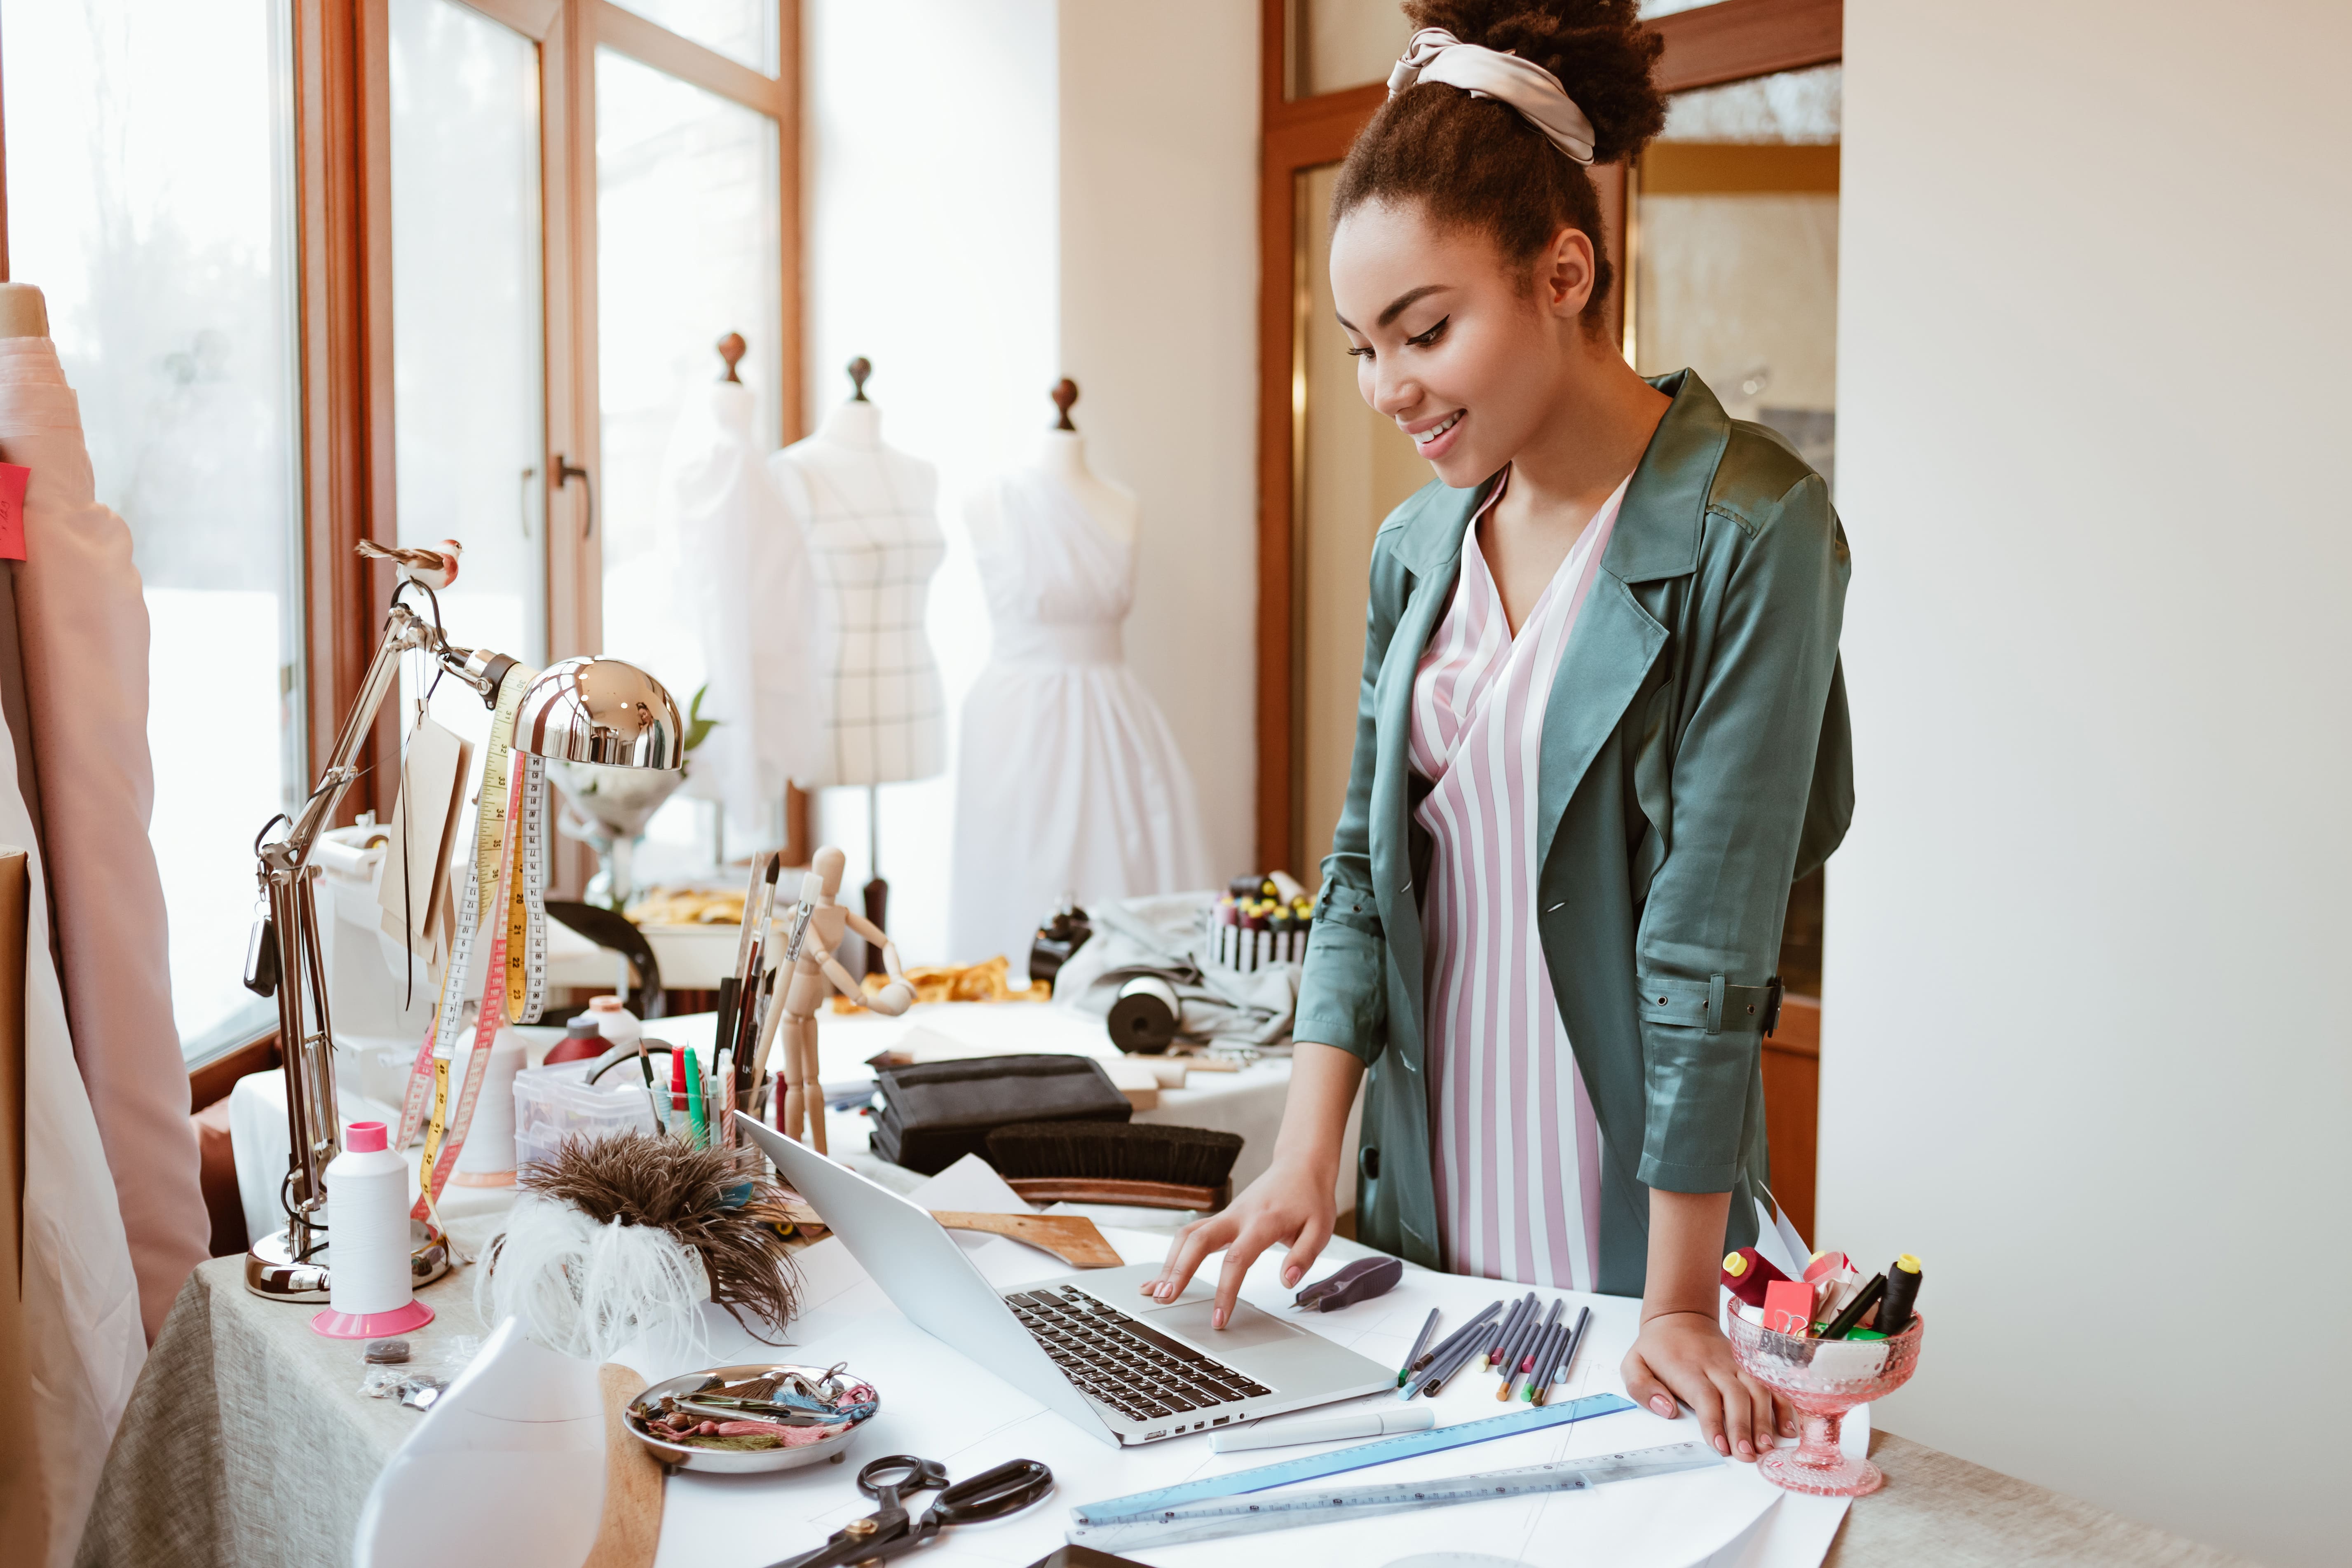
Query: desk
{"x":246,"y":1443}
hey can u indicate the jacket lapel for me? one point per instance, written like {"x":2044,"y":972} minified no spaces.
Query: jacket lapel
{"x":1616,"y":640}
{"x":1432,"y":550}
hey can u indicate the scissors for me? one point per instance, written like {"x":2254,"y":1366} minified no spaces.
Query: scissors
{"x":888,"y":1531}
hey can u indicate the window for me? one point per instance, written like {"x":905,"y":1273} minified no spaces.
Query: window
{"x":149,"y":191}
{"x":742,"y":30}
{"x":325,"y":271}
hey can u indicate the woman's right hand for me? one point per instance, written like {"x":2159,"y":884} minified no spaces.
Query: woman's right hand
{"x":1292,"y":1202}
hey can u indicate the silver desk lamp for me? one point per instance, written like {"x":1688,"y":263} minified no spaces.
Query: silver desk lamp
{"x":597,"y":710}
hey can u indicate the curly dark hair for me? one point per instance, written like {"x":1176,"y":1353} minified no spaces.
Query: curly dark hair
{"x":1477,"y":164}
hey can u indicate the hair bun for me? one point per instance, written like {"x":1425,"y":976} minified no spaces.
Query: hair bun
{"x":1599,"y":48}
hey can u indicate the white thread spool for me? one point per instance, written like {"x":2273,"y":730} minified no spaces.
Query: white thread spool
{"x":488,"y":1160}
{"x":371,"y":1290}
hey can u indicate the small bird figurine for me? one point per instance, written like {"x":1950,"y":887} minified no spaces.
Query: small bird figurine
{"x":435,"y":569}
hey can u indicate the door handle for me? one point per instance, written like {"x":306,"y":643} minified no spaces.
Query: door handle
{"x":565,"y":472}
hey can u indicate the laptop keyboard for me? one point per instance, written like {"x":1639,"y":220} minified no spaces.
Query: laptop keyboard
{"x":1136,"y":1370}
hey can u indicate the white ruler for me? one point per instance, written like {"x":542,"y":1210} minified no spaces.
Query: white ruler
{"x":1249,"y":1514}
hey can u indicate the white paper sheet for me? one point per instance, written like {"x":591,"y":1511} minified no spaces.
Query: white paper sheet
{"x":1773,"y":1243}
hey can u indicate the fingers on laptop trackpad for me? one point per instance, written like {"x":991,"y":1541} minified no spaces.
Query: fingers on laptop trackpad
{"x":1249,"y":1329}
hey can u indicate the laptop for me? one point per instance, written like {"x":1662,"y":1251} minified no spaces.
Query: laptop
{"x":1079,"y":1343}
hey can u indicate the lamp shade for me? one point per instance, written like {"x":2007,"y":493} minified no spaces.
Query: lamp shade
{"x":600,"y":711}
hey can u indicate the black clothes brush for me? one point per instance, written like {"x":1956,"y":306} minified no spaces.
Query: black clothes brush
{"x":1139,"y":1164}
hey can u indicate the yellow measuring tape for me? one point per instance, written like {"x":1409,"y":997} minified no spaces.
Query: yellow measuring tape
{"x":493,"y":876}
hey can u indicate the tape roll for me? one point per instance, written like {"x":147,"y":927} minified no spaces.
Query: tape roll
{"x":1143,"y":1016}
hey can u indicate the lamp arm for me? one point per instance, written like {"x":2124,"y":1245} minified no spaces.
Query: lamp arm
{"x":403,"y":631}
{"x":305,"y":1032}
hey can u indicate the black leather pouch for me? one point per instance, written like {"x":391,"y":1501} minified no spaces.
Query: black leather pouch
{"x":934,"y":1113}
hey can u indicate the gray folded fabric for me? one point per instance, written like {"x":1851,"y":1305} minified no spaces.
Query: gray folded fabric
{"x":1165,"y":935}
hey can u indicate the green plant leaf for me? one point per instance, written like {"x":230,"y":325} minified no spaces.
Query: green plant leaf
{"x":698,"y":727}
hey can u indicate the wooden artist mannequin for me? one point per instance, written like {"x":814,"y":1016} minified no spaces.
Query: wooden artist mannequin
{"x":817,"y":972}
{"x":1063,"y":456}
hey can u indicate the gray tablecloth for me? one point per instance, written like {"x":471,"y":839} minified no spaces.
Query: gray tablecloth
{"x":246,"y":1441}
{"x":248,"y":1444}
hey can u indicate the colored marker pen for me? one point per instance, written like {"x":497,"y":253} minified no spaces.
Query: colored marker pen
{"x":1864,"y":1299}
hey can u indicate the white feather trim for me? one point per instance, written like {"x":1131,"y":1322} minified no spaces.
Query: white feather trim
{"x":586,"y":1290}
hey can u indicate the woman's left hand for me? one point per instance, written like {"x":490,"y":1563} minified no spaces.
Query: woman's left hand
{"x":1684,"y":1356}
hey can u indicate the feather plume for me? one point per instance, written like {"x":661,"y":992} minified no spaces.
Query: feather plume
{"x":620,"y":1235}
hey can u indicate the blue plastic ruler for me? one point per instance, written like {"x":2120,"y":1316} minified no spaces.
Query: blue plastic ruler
{"x":1288,"y":1510}
{"x":1405,"y":1446}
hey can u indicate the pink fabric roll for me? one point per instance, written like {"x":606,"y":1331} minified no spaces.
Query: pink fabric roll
{"x":84,"y":626}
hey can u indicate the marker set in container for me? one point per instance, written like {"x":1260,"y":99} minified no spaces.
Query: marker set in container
{"x":1833,"y":1301}
{"x":1532,"y":1351}
{"x":1261,"y":920}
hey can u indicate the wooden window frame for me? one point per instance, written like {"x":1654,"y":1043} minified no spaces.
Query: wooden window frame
{"x":1733,"y":40}
{"x":343,"y":331}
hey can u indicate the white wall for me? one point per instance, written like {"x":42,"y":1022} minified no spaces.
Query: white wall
{"x":2086,"y":1044}
{"x":931,"y":161}
{"x":1159,"y":315}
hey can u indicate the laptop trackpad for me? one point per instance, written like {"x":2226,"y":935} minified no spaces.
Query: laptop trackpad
{"x":1249,"y":1329}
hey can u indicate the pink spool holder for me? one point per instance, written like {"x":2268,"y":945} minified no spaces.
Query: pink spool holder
{"x":372,"y":1325}
{"x":368,"y":1137}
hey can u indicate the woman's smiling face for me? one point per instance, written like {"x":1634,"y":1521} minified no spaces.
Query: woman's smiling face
{"x":1465,"y":353}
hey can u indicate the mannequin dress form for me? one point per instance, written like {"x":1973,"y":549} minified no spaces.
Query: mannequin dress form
{"x":1069,"y":782}
{"x":751,"y":596}
{"x":869,"y":515}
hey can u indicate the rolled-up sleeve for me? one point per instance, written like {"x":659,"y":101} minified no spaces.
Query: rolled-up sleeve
{"x":1342,"y":989}
{"x":1743,"y":774}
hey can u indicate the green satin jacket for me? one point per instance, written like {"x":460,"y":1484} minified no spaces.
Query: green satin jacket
{"x":1696,"y":760}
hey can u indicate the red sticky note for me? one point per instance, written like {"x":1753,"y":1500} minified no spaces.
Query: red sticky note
{"x":12,"y":510}
{"x":1788,"y":1308}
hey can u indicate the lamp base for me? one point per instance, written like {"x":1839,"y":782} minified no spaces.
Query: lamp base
{"x":272,"y":1270}
{"x":372,"y":1325}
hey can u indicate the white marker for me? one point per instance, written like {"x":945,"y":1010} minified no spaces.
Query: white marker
{"x":1283,"y":1431}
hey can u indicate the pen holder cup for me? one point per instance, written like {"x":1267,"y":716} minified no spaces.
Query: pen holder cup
{"x":1823,"y":1379}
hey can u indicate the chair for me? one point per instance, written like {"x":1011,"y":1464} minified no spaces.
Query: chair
{"x":608,"y":929}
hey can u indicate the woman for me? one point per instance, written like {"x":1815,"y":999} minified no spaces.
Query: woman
{"x":1601,"y":730}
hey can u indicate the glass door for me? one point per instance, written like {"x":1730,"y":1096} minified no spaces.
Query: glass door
{"x":470,"y":325}
{"x":1355,"y":467}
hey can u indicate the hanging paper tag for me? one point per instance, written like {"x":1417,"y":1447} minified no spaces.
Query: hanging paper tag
{"x":12,"y":477}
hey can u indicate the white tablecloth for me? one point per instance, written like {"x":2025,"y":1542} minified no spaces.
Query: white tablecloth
{"x":937,"y":1405}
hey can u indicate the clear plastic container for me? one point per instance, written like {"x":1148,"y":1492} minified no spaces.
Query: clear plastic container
{"x":552,"y":1103}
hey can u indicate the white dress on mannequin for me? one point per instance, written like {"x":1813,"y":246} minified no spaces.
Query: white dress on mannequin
{"x":1068,"y":780}
{"x":746,"y":587}
{"x":870,"y":517}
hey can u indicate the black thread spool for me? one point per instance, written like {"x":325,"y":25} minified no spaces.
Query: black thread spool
{"x":1143,"y":1018}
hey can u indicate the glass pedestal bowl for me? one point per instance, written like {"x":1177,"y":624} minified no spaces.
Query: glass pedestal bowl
{"x":1822,"y":1379}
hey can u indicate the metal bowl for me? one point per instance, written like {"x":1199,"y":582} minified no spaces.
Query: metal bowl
{"x":737,"y":1461}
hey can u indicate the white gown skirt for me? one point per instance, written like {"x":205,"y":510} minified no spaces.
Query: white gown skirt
{"x":1069,"y":784}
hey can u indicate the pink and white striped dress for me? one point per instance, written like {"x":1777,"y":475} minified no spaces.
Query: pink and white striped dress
{"x":1514,"y":1141}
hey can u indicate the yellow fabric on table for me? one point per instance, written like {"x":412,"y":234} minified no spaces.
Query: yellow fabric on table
{"x":958,"y":982}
